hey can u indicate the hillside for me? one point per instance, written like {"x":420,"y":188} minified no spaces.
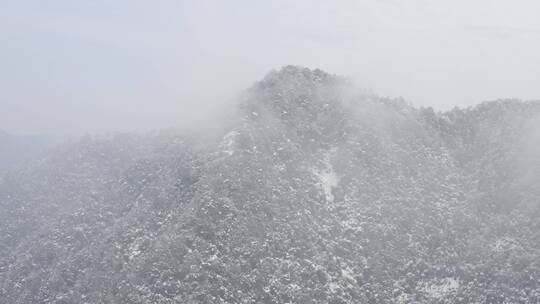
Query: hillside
{"x":316,"y":193}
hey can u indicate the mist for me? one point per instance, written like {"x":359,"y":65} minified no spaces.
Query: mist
{"x":75,"y":67}
{"x":343,"y":152}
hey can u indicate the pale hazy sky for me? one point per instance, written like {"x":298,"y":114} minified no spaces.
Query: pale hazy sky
{"x":70,"y":66}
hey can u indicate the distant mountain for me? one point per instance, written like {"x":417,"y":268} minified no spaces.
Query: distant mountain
{"x":317,"y":193}
{"x":16,"y":150}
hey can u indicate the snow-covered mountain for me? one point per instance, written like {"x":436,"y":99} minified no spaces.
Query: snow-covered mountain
{"x":316,"y":193}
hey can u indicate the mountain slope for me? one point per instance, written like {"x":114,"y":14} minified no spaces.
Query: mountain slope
{"x":317,"y":194}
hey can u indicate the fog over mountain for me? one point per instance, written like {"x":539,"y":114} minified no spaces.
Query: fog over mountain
{"x":71,"y":67}
{"x":312,"y":192}
{"x":17,"y":150}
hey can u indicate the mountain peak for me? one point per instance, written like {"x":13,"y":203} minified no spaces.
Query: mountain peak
{"x":294,"y":86}
{"x":296,"y":76}
{"x":305,"y":100}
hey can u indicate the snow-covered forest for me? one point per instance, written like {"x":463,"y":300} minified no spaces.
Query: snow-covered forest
{"x":312,"y":192}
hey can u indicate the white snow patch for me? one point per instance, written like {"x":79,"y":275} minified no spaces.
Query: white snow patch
{"x":294,"y":287}
{"x":328,"y":179}
{"x":347,"y":273}
{"x":333,"y":287}
{"x":439,"y":289}
{"x":227,"y":144}
{"x":403,"y":298}
{"x":134,"y":250}
{"x":506,"y":244}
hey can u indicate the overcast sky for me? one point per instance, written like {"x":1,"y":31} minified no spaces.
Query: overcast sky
{"x":71,"y":66}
